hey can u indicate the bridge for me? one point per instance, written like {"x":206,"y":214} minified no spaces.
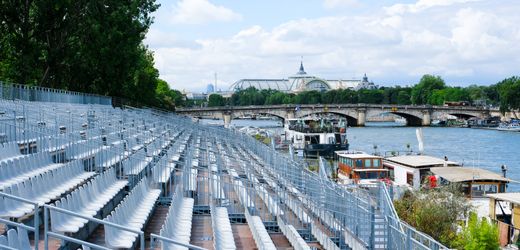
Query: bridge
{"x":356,"y":114}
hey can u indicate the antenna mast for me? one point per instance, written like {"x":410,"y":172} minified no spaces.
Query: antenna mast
{"x":216,"y":89}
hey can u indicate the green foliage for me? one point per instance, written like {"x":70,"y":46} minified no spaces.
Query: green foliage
{"x":424,"y":89}
{"x":478,"y":234}
{"x":168,"y":98}
{"x":216,"y":100}
{"x":434,"y":212}
{"x":87,"y":46}
{"x":509,"y":94}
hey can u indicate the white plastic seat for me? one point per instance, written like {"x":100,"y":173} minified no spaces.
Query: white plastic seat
{"x":131,"y":213}
{"x":12,"y":239}
{"x":87,"y":200}
{"x":44,"y":188}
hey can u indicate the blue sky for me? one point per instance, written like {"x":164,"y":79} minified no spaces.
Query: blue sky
{"x":393,"y":42}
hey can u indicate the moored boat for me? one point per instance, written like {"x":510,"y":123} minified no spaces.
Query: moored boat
{"x":314,"y":137}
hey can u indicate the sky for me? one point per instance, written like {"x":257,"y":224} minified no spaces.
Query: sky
{"x":393,"y":42}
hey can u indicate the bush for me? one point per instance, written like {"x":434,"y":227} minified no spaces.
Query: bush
{"x":434,"y":212}
{"x":478,"y":234}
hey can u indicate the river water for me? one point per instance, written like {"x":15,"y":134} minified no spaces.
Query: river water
{"x":488,"y":149}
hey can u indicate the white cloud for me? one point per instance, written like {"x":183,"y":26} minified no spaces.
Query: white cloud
{"x":200,"y":12}
{"x":473,"y":41}
{"x":330,"y":4}
{"x":422,"y":5}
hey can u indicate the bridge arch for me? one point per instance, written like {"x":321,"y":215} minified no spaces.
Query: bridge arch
{"x":235,"y":114}
{"x":351,"y":121}
{"x":411,"y":120}
{"x":462,"y":115}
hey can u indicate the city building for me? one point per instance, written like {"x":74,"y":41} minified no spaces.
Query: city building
{"x":210,"y":89}
{"x":301,"y":81}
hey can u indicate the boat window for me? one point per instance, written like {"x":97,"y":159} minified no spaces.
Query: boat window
{"x":376,"y":163}
{"x":368,"y":163}
{"x":359,"y":163}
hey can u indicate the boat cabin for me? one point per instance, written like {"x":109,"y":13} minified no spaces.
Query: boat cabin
{"x":504,"y":208}
{"x":354,"y":166}
{"x":475,"y":182}
{"x":413,"y":169}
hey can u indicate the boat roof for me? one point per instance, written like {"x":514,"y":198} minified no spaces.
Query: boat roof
{"x":355,"y":154}
{"x":419,"y":161}
{"x":511,"y":197}
{"x":462,"y":174}
{"x":371,"y":170}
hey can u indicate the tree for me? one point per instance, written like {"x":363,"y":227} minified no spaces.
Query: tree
{"x":216,"y":100}
{"x":509,"y":93}
{"x":403,"y":97}
{"x":478,"y":234}
{"x":424,"y":89}
{"x":88,"y":46}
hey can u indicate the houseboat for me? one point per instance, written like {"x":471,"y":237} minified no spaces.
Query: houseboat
{"x":314,"y":137}
{"x":412,"y":170}
{"x":475,"y":182}
{"x":504,"y":209}
{"x":356,"y":167}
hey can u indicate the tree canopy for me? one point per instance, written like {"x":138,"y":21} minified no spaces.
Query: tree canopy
{"x":87,"y":46}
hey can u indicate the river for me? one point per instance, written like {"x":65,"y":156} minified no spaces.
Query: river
{"x":488,"y":149}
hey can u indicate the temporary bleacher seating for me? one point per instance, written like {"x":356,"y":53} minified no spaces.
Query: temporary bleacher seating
{"x":135,"y":164}
{"x":87,"y":200}
{"x":16,"y":238}
{"x":177,"y":224}
{"x":222,"y":232}
{"x":131,"y":213}
{"x":43,"y":188}
{"x":292,"y":235}
{"x":260,"y":235}
{"x":9,"y":151}
{"x":16,"y":170}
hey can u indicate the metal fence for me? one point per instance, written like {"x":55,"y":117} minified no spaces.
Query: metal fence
{"x":11,"y":91}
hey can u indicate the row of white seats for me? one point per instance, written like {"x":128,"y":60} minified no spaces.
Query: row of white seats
{"x":87,"y":200}
{"x":257,"y":227}
{"x":323,"y":238}
{"x":16,"y":170}
{"x":292,"y":235}
{"x":109,"y":157}
{"x":43,"y":188}
{"x":84,"y":149}
{"x":16,"y":238}
{"x":9,"y":150}
{"x":131,"y":213}
{"x":135,"y":163}
{"x":222,"y":232}
{"x":54,"y":143}
{"x":242,"y":193}
{"x":162,"y":170}
{"x":295,"y":206}
{"x":217,"y":187}
{"x":269,"y":201}
{"x":177,"y":225}
{"x":191,"y":184}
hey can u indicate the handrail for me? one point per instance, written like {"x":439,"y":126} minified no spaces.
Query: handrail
{"x":36,"y":226}
{"x":155,"y":236}
{"x":61,"y":210}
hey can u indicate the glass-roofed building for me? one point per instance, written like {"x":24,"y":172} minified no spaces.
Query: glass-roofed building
{"x":302,"y":81}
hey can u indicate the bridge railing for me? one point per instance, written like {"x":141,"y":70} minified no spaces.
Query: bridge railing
{"x":347,"y":105}
{"x":11,"y":91}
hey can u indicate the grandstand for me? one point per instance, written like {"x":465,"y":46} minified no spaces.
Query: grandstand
{"x":76,"y":172}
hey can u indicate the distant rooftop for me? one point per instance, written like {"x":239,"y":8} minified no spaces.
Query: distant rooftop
{"x":462,"y":174}
{"x":420,"y":161}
